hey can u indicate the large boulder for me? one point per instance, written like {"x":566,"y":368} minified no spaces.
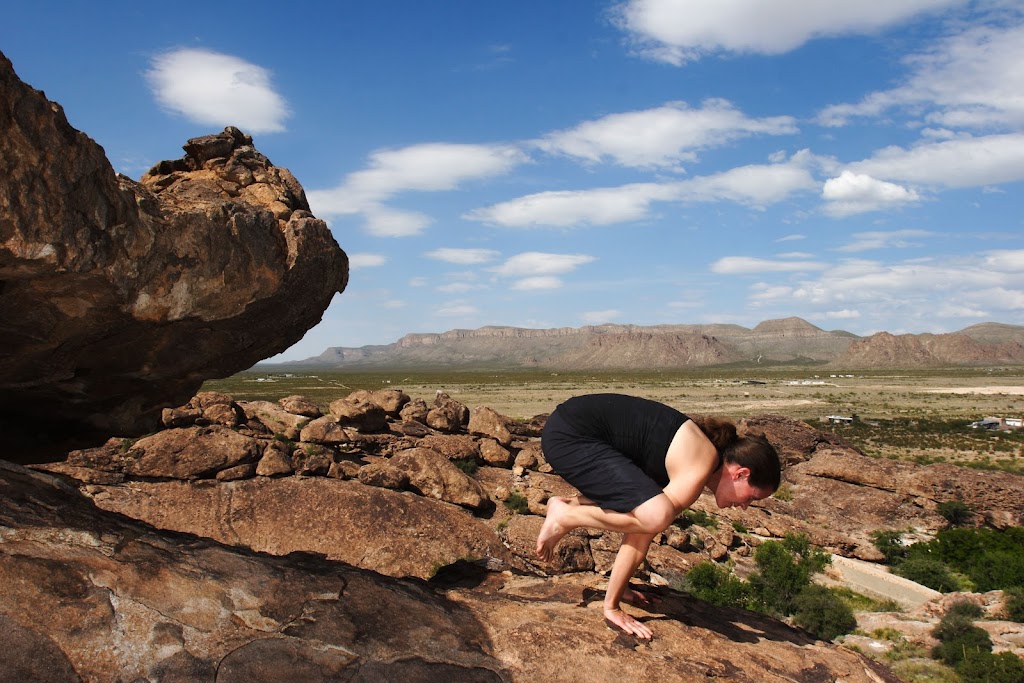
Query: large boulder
{"x":92,"y":596}
{"x":121,"y":297}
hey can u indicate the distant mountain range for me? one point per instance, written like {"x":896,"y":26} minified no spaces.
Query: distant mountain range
{"x":787,"y":341}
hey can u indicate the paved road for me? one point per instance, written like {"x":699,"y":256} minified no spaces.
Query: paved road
{"x":875,"y":581}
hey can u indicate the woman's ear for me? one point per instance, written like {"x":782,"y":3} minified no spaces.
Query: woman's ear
{"x":741,"y":473}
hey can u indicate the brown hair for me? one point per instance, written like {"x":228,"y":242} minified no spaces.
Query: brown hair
{"x":751,"y":451}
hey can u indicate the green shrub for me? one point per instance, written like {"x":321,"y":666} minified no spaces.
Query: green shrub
{"x":1014,"y":598}
{"x":468,"y":466}
{"x":517,"y":502}
{"x":960,"y":638}
{"x":738,"y":527}
{"x":890,"y":544}
{"x":924,"y":671}
{"x":711,"y":583}
{"x":985,"y":667}
{"x":700,"y":518}
{"x":931,"y":573}
{"x":825,"y":615}
{"x":785,"y":569}
{"x":992,"y":559}
{"x":783,"y":493}
{"x":966,"y":608}
{"x":956,"y":512}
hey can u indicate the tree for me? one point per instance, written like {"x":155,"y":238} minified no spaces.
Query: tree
{"x":821,"y":612}
{"x":785,"y":570}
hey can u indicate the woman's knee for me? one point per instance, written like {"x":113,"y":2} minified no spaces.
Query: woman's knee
{"x":655,"y":515}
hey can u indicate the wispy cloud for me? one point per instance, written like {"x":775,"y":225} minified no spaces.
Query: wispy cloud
{"x":534,"y":270}
{"x":599,"y":317}
{"x":678,"y":31}
{"x":968,"y":80}
{"x":756,"y":185}
{"x":745,"y":265}
{"x":895,"y":239}
{"x":357,"y":261}
{"x":428,"y":167}
{"x":462,"y":256}
{"x":216,"y":89}
{"x":663,"y":137}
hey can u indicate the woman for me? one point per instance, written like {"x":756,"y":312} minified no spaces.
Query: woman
{"x":638,"y":464}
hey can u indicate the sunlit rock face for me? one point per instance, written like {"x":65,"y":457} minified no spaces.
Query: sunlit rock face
{"x":118,"y":298}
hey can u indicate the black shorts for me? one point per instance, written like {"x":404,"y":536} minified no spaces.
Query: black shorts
{"x":601,"y":473}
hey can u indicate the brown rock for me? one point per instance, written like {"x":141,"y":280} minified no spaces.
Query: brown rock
{"x":237,"y":472}
{"x":276,"y":419}
{"x":360,"y":415}
{"x":107,"y":280}
{"x":383,"y":475}
{"x":228,"y":415}
{"x":190,"y":453}
{"x":452,"y":446}
{"x":415,"y":411}
{"x":300,"y":405}
{"x":180,"y":417}
{"x":276,"y":460}
{"x":485,"y":421}
{"x":572,"y":554}
{"x":435,"y":476}
{"x":447,"y":414}
{"x":325,"y":430}
{"x":493,"y":453}
{"x":391,"y":401}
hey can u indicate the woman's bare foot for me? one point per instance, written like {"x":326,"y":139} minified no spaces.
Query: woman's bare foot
{"x":553,"y":530}
{"x":628,"y":624}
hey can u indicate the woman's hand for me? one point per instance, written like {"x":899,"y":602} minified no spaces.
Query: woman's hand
{"x":627,"y":623}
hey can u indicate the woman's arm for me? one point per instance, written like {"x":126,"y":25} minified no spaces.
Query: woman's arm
{"x":631,"y":554}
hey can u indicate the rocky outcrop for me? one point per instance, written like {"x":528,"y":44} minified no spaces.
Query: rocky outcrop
{"x":597,"y":347}
{"x":91,"y":596}
{"x":925,"y":350}
{"x":119,"y":297}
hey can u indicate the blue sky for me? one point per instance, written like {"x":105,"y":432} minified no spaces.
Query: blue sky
{"x":560,"y":163}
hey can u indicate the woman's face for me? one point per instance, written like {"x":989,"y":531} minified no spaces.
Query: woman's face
{"x":734,"y":488}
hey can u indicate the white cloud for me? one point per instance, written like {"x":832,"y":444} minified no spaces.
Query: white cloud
{"x":969,"y":80}
{"x":456,"y":309}
{"x":852,"y":193}
{"x":462,"y":256}
{"x":742,"y":265}
{"x":677,"y":31}
{"x":534,"y":263}
{"x":754,"y":185}
{"x":963,"y":162}
{"x":428,"y":167}
{"x":895,"y":239}
{"x":845,"y":314}
{"x":538,"y":282}
{"x":602,"y":206}
{"x":599,"y":317}
{"x":216,"y":89}
{"x":791,"y":238}
{"x":661,"y":137}
{"x":356,"y":261}
{"x":386,"y":222}
{"x":418,"y":282}
{"x":457,"y":288}
{"x":911,"y":293}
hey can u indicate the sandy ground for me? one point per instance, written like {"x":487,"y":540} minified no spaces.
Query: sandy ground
{"x":985,"y":391}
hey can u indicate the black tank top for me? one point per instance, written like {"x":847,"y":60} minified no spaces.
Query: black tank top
{"x":639,"y":428}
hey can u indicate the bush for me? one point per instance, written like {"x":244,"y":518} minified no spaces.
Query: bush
{"x":825,"y":615}
{"x":890,"y":544}
{"x":966,"y":608}
{"x":931,"y":573}
{"x":985,"y":667}
{"x":517,"y":502}
{"x":711,"y":583}
{"x":960,"y":638}
{"x":468,"y":466}
{"x":992,"y":559}
{"x":956,"y":512}
{"x":785,"y":570}
{"x":1014,"y":603}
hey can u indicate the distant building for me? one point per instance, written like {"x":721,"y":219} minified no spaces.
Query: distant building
{"x":840,"y":419}
{"x":1000,"y":423}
